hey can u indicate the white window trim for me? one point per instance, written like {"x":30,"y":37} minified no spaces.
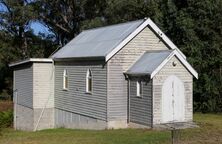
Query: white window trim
{"x":87,"y":81}
{"x":139,"y":89}
{"x":65,"y":75}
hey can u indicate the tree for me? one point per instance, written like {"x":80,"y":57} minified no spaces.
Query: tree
{"x":15,"y":20}
{"x":17,"y":41}
{"x":128,"y":10}
{"x":195,"y":27}
{"x":64,"y":17}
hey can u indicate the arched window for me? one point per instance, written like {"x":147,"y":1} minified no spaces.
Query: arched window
{"x":89,"y":81}
{"x":139,"y":88}
{"x":65,"y":79}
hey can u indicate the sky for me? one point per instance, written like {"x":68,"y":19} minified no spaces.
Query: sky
{"x":36,"y":26}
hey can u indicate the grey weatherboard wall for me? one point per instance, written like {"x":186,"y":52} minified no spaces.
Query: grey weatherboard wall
{"x":23,"y":85}
{"x":117,"y":84}
{"x":75,"y":100}
{"x":33,"y":96}
{"x":140,"y":108}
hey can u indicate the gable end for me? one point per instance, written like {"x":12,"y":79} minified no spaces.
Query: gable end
{"x":156,"y":30}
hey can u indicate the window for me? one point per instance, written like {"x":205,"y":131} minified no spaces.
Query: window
{"x":65,"y":79}
{"x":138,"y":88}
{"x":89,"y":81}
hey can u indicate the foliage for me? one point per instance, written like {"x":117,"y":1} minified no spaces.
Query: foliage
{"x":196,"y":29}
{"x":6,"y":119}
{"x":37,"y":47}
{"x":64,"y":17}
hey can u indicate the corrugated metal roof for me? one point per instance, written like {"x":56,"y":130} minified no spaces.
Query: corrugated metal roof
{"x":97,"y":42}
{"x":148,"y":62}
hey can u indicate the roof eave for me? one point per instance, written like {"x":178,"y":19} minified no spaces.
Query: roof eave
{"x":137,"y":74}
{"x":100,"y":58}
{"x":43,"y":60}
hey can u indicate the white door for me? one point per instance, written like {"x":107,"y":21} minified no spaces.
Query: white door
{"x":173,"y":100}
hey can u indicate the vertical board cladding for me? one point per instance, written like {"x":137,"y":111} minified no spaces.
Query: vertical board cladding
{"x":43,"y":85}
{"x":68,"y":119}
{"x":119,"y":63}
{"x":23,"y":85}
{"x":75,"y":99}
{"x":186,"y":77}
{"x":141,"y":107}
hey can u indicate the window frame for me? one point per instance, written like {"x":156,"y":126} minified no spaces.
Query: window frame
{"x":139,"y":88}
{"x":65,"y":79}
{"x":89,"y":81}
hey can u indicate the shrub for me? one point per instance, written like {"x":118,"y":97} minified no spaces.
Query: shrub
{"x":6,"y":119}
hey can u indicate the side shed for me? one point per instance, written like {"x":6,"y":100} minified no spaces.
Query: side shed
{"x":160,"y":89}
{"x":33,"y":90}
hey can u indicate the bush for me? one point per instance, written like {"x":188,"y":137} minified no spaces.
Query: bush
{"x":6,"y":119}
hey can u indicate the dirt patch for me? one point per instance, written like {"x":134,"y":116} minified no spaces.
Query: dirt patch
{"x":6,"y":105}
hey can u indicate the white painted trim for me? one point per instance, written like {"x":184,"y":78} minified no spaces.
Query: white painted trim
{"x":182,"y":60}
{"x":88,"y":73}
{"x":186,"y":64}
{"x":65,"y":78}
{"x":138,"y":88}
{"x":138,"y":30}
{"x":163,"y":36}
{"x":46,"y":60}
{"x":161,"y":65}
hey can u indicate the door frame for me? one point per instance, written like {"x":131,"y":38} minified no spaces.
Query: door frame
{"x":180,"y":85}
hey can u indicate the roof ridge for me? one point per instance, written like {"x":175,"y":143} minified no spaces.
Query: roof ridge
{"x":117,"y":24}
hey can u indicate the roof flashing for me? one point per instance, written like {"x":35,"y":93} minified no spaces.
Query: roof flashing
{"x":40,"y":60}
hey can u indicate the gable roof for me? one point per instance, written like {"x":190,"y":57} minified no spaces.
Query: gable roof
{"x":98,"y":42}
{"x":148,"y":62}
{"x":151,"y":62}
{"x":107,"y":41}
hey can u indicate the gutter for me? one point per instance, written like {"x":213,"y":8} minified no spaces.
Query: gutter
{"x":80,"y":58}
{"x":40,"y":60}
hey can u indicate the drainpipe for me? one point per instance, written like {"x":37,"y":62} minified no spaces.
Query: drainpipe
{"x":128,"y":100}
{"x":128,"y":97}
{"x":15,"y":99}
{"x":152,"y":103}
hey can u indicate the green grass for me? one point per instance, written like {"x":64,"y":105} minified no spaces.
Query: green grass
{"x":210,"y":132}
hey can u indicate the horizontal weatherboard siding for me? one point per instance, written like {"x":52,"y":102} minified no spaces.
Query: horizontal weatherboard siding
{"x":185,"y":76}
{"x":141,"y":107}
{"x":23,"y":85}
{"x":146,"y":40}
{"x":75,"y":99}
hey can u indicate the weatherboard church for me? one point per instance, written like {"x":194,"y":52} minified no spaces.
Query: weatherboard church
{"x":119,"y":76}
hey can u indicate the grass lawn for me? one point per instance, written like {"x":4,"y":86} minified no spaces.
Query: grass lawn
{"x":210,"y":132}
